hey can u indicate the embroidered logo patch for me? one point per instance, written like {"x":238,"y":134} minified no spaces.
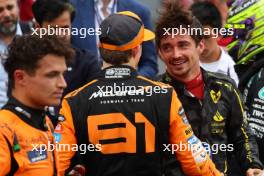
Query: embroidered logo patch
{"x":218,"y":117}
{"x":215,"y":96}
{"x":37,"y":155}
{"x":57,"y":137}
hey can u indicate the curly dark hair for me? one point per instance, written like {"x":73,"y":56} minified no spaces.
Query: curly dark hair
{"x":173,"y":15}
{"x":26,"y":51}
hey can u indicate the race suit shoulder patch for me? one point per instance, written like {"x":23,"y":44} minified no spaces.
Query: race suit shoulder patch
{"x":261,"y":93}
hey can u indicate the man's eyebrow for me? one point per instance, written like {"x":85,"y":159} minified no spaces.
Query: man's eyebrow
{"x":183,"y":42}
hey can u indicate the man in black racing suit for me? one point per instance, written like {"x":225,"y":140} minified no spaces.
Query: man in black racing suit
{"x":211,"y":100}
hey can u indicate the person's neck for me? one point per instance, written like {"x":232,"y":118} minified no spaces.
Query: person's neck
{"x":130,"y":63}
{"x":105,"y":6}
{"x":188,"y":76}
{"x":7,"y":39}
{"x":24,"y":100}
{"x":215,"y":56}
{"x":106,"y":2}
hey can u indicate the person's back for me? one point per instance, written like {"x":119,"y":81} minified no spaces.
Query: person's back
{"x":123,"y":114}
{"x":129,"y":130}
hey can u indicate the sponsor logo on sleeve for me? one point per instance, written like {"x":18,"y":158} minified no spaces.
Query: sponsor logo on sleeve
{"x":57,"y":137}
{"x":261,"y":93}
{"x":61,"y":118}
{"x":215,"y":95}
{"x":59,"y":128}
{"x":192,"y":140}
{"x":183,"y":115}
{"x":37,"y":155}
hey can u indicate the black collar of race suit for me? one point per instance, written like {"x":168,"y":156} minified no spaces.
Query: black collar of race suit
{"x":118,"y":72}
{"x":178,"y":85}
{"x":33,"y":117}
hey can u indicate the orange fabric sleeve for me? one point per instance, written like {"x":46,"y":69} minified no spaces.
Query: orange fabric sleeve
{"x":5,"y":160}
{"x":65,"y":138}
{"x":187,"y":147}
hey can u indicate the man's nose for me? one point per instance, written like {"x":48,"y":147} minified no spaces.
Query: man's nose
{"x":176,"y":52}
{"x":6,"y":13}
{"x":62,"y":82}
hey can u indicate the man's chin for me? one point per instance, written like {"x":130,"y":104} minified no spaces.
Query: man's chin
{"x":179,"y":73}
{"x":204,"y":55}
{"x":55,"y":102}
{"x":8,"y":31}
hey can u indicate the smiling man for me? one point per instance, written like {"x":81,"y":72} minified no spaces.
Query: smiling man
{"x":36,"y":78}
{"x":211,"y":100}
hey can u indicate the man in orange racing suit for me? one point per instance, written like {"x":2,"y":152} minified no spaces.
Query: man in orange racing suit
{"x":127,"y":122}
{"x":36,"y":79}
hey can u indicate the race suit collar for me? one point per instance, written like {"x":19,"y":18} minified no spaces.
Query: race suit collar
{"x":31,"y":116}
{"x":180,"y":86}
{"x":118,"y":72}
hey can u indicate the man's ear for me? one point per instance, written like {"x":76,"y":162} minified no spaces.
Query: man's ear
{"x":137,"y":51}
{"x":20,"y":77}
{"x":201,"y":46}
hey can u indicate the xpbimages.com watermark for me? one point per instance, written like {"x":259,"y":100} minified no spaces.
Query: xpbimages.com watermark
{"x":82,"y":148}
{"x":56,"y":30}
{"x":120,"y":90}
{"x":183,"y":30}
{"x":211,"y":149}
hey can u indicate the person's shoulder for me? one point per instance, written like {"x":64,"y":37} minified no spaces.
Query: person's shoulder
{"x":86,"y":61}
{"x":81,"y":90}
{"x":8,"y":123}
{"x":6,"y":116}
{"x":219,"y":78}
{"x":259,"y":75}
{"x":156,"y":81}
{"x":225,"y":57}
{"x":84,"y":54}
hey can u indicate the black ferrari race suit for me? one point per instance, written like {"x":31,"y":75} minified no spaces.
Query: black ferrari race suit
{"x":218,"y":120}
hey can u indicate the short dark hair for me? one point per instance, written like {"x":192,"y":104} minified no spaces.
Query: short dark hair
{"x":173,"y":15}
{"x":207,"y":13}
{"x":115,"y":57}
{"x":26,"y":51}
{"x":48,"y":10}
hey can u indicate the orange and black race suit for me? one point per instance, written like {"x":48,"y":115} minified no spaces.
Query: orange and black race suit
{"x":123,"y":124}
{"x":25,"y":135}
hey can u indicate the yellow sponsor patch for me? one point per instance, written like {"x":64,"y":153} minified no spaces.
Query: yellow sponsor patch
{"x":215,"y":96}
{"x":218,"y":117}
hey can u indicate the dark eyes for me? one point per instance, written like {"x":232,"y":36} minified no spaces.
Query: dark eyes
{"x":166,"y":48}
{"x":52,"y":74}
{"x":183,"y":44}
{"x":9,"y":8}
